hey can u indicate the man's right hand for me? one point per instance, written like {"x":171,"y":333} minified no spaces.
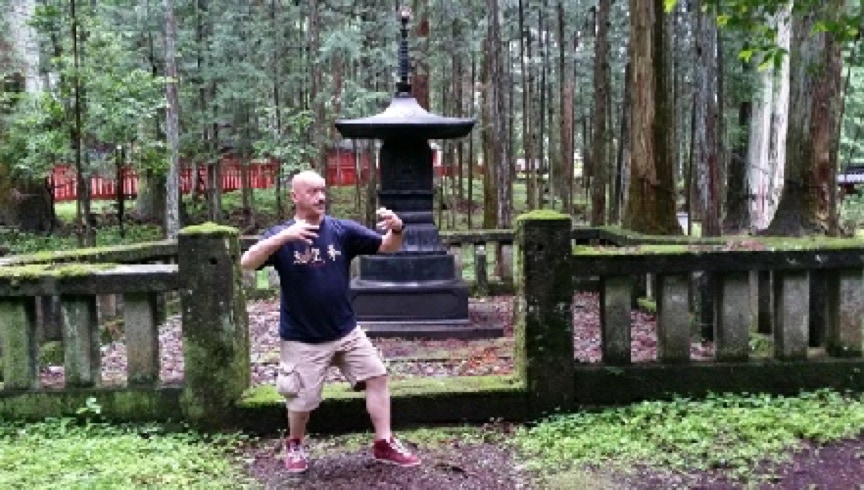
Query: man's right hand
{"x":299,"y":231}
{"x":258,"y":253}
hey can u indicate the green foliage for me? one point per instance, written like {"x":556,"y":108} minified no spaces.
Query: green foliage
{"x":21,"y":243}
{"x":80,"y":453}
{"x":729,"y":432}
{"x":36,"y":135}
{"x":756,"y":20}
{"x":852,"y":212}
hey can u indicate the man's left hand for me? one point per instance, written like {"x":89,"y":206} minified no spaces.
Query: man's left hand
{"x":388,"y":220}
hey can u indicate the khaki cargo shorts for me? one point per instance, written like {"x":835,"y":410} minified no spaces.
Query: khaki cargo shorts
{"x":303,"y":367}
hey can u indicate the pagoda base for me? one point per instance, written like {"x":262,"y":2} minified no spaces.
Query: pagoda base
{"x":425,"y":309}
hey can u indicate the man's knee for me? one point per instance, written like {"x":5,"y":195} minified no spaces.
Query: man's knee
{"x":376,"y":382}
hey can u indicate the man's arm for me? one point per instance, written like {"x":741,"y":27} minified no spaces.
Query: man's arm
{"x":392,"y":241}
{"x":261,"y":251}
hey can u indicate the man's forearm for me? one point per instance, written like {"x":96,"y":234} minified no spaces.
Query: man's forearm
{"x":391,"y":242}
{"x":258,"y":253}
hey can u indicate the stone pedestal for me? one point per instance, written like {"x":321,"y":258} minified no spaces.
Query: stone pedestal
{"x":416,"y":292}
{"x":215,"y":323}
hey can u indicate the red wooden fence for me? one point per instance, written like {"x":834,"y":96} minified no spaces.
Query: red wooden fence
{"x":341,"y":171}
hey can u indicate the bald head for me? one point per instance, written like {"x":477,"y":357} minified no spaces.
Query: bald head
{"x":305,"y":179}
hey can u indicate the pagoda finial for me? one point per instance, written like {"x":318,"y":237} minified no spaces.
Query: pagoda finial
{"x":403,"y":86}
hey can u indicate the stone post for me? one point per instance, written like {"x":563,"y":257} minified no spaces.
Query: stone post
{"x":215,"y":323}
{"x":480,"y":270}
{"x":791,"y":314}
{"x":544,"y":319}
{"x":846,"y":313}
{"x":82,"y":359}
{"x":673,"y":318}
{"x":733,"y":317}
{"x":616,"y":301}
{"x":18,"y":343}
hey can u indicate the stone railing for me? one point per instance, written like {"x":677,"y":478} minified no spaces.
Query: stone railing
{"x":546,"y":268}
{"x":548,"y":265}
{"x":214,"y":330}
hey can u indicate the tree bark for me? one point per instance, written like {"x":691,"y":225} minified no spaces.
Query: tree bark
{"x":319,"y":126}
{"x":758,"y":146}
{"x":737,"y":203}
{"x":807,"y":204}
{"x":497,"y":123}
{"x":172,"y":202}
{"x":706,"y":131}
{"x":599,"y":154}
{"x":566,"y":87}
{"x":651,"y":202}
{"x":86,"y":234}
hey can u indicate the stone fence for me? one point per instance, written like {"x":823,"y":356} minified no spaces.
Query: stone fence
{"x":214,"y":333}
{"x":549,"y":260}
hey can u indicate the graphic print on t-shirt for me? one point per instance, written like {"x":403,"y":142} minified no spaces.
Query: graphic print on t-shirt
{"x":313,"y":258}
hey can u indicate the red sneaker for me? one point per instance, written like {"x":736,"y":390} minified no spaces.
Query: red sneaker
{"x":296,"y":460}
{"x":393,"y":452}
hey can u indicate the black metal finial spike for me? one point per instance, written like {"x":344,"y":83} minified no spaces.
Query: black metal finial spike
{"x":403,"y":86}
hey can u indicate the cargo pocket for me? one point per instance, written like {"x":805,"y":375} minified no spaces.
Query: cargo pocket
{"x":288,"y":382}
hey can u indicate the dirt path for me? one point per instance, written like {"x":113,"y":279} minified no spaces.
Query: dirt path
{"x":490,"y":466}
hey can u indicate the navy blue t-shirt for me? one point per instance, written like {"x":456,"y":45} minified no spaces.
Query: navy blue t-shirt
{"x":314,"y":279}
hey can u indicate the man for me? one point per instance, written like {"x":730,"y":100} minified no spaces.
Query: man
{"x":312,"y":254}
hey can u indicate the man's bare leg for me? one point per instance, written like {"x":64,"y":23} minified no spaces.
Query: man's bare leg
{"x":297,"y":425}
{"x":378,"y":406}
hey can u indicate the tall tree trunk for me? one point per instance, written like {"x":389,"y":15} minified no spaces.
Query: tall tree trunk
{"x":758,"y":146}
{"x":546,"y":165}
{"x":172,"y":208}
{"x":706,"y":131}
{"x":737,"y":217}
{"x":779,"y":119}
{"x":664,"y":123}
{"x":420,"y":75}
{"x":650,"y":192}
{"x":277,"y":102}
{"x":490,"y":164}
{"x":320,"y":128}
{"x":599,"y":155}
{"x":495,"y":102}
{"x":86,"y":234}
{"x":622,"y":159}
{"x":807,"y":204}
{"x":526,"y":72}
{"x":566,"y":89}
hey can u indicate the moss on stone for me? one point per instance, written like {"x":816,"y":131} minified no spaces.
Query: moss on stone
{"x":41,"y":271}
{"x":737,"y":244}
{"x":210,"y":228}
{"x":647,"y":305}
{"x":91,"y":254}
{"x":542,"y":214}
{"x":262,"y":396}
